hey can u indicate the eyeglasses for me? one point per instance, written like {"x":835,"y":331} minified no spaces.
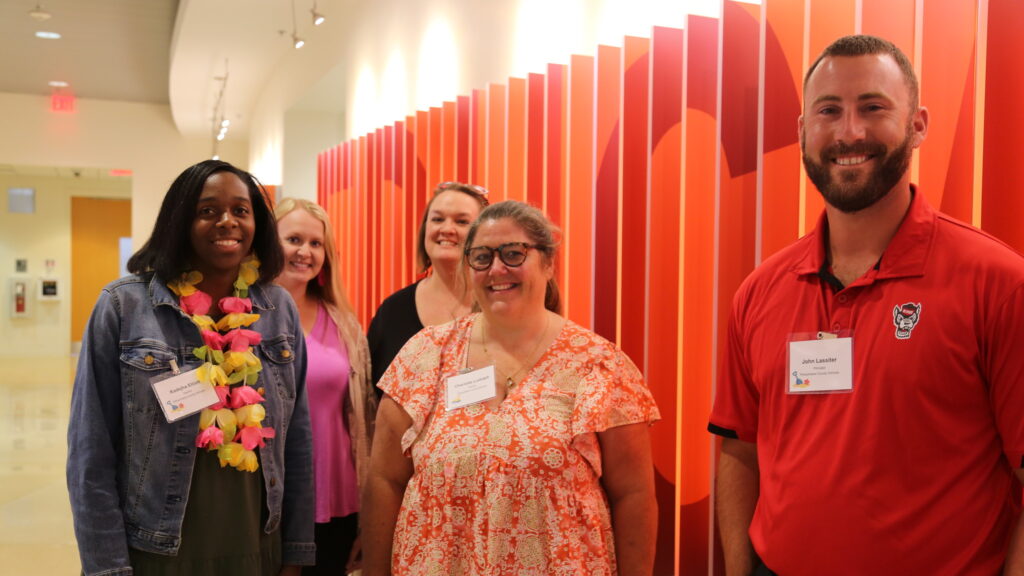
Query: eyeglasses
{"x":512,"y":254}
{"x":463,"y":187}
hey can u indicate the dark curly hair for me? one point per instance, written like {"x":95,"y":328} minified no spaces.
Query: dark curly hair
{"x":168,"y":251}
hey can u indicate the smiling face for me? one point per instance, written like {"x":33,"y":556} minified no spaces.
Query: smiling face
{"x":447,"y":221}
{"x":502,"y":289}
{"x":858,"y":131}
{"x":223,"y":227}
{"x":302,"y":239}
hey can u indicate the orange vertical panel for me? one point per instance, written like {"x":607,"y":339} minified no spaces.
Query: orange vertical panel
{"x":606,"y":191}
{"x":463,"y":143}
{"x":780,"y":165}
{"x":495,"y":177}
{"x":535,"y":140}
{"x":892,"y":20}
{"x":1002,"y":180}
{"x":554,"y":146}
{"x":449,"y":132}
{"x":662,"y":365}
{"x":827,"y":20}
{"x":579,"y":208}
{"x":701,"y":117}
{"x":948,"y":37}
{"x":363,"y":232}
{"x":401,"y":252}
{"x":375,"y":142}
{"x":515,"y":133}
{"x":636,"y":61}
{"x":435,"y":155}
{"x":478,"y":137}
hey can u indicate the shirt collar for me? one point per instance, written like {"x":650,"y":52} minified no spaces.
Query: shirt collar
{"x":906,"y":255}
{"x":160,"y":294}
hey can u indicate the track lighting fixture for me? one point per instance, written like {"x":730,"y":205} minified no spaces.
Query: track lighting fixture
{"x":318,"y":18}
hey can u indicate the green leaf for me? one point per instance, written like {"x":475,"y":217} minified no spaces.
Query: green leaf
{"x":201,"y":353}
{"x":218,"y":356}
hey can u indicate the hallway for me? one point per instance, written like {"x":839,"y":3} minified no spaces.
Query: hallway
{"x":36,"y":535}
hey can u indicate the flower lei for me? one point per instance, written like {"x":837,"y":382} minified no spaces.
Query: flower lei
{"x":232,"y":425}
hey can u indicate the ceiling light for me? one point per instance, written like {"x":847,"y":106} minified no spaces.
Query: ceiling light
{"x":318,"y":18}
{"x":38,"y":14}
{"x":299,"y":42}
{"x":225,"y":123}
{"x":58,"y":84}
{"x":47,"y":35}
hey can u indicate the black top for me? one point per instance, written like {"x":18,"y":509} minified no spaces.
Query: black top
{"x":395,"y":322}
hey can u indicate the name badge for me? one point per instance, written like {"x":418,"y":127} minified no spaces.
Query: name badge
{"x":470,"y":388}
{"x":820,"y":366}
{"x":183,"y":395}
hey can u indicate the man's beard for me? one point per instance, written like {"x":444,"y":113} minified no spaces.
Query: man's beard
{"x":843,"y":193}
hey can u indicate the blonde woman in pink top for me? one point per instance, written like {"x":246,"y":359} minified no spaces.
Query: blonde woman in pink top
{"x":342,"y":405}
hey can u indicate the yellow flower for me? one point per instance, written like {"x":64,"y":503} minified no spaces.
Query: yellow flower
{"x":204,"y":322}
{"x":230,"y":453}
{"x":212,"y":374}
{"x":186,"y":284}
{"x":232,"y":321}
{"x":250,"y":415}
{"x":206,"y":418}
{"x":233,"y":361}
{"x":249,"y":462}
{"x":249,"y":271}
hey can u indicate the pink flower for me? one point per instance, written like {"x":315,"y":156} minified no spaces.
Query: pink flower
{"x":252,"y":436}
{"x":213,"y":339}
{"x":240,"y":339}
{"x":211,"y":435}
{"x":224,"y":393}
{"x":233,"y":305}
{"x":244,"y":396}
{"x":195,"y":303}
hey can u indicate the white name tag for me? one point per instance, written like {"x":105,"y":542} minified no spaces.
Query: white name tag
{"x":470,"y":388}
{"x":820,"y":366}
{"x":183,"y":395}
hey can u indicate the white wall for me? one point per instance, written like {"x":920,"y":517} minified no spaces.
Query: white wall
{"x":38,"y":237}
{"x":106,"y":134}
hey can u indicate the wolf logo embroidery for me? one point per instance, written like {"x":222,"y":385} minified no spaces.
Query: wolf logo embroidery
{"x":905,"y":317}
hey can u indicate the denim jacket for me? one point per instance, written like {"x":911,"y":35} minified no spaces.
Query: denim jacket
{"x":129,"y":470}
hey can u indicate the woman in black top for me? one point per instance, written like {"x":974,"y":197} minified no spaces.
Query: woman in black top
{"x":441,"y":296}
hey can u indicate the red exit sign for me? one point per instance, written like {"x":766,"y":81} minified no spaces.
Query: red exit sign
{"x":62,"y":102}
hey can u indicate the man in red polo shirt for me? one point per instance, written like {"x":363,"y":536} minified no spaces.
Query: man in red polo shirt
{"x":871,"y":402}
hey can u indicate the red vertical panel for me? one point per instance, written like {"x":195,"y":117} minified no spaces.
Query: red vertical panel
{"x":948,"y":38}
{"x":554,"y":151}
{"x":421,"y":189}
{"x":495,"y":180}
{"x":364,"y":233}
{"x":701,"y":116}
{"x":462,"y":139}
{"x":448,"y":134}
{"x":579,"y":231}
{"x":1002,"y":179}
{"x":636,"y":61}
{"x":826,"y":21}
{"x":515,"y":132}
{"x":780,"y":167}
{"x":402,"y":225}
{"x":606,"y":188}
{"x":376,"y":144}
{"x":321,"y":189}
{"x":478,"y":137}
{"x":666,"y":216}
{"x":435,"y":155}
{"x":387,"y":217}
{"x":535,"y":140}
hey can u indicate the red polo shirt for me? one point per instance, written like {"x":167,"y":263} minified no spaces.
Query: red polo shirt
{"x":913,"y":471}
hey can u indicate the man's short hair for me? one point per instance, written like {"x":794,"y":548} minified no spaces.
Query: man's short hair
{"x":864,"y":45}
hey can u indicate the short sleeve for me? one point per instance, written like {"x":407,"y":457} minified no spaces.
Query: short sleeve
{"x":735,"y":412}
{"x":1005,"y":367}
{"x":612,"y":394}
{"x":414,"y":378}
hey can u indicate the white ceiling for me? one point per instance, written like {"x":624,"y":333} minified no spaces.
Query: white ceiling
{"x":152,"y":51}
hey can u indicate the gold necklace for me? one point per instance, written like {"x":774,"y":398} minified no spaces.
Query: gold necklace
{"x":510,"y":380}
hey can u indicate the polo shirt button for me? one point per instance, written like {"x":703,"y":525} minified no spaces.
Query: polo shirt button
{"x":286,"y":354}
{"x":842,"y":298}
{"x":148,"y":359}
{"x":835,"y":327}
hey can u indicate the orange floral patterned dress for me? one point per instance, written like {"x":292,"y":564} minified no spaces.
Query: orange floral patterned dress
{"x":513,"y":490}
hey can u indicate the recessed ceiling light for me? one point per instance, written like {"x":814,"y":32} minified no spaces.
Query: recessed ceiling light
{"x":47,"y":35}
{"x":58,"y":84}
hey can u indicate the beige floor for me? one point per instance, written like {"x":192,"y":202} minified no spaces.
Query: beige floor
{"x":36,"y":536}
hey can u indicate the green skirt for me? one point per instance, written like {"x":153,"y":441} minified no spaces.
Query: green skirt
{"x":222,"y":533}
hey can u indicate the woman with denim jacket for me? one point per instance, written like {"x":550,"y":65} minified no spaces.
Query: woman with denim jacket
{"x":228,"y":489}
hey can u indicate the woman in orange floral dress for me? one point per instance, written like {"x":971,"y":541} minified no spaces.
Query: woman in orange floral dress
{"x":512,"y":441}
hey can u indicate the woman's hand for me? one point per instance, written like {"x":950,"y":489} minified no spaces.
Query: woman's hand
{"x":628,"y":480}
